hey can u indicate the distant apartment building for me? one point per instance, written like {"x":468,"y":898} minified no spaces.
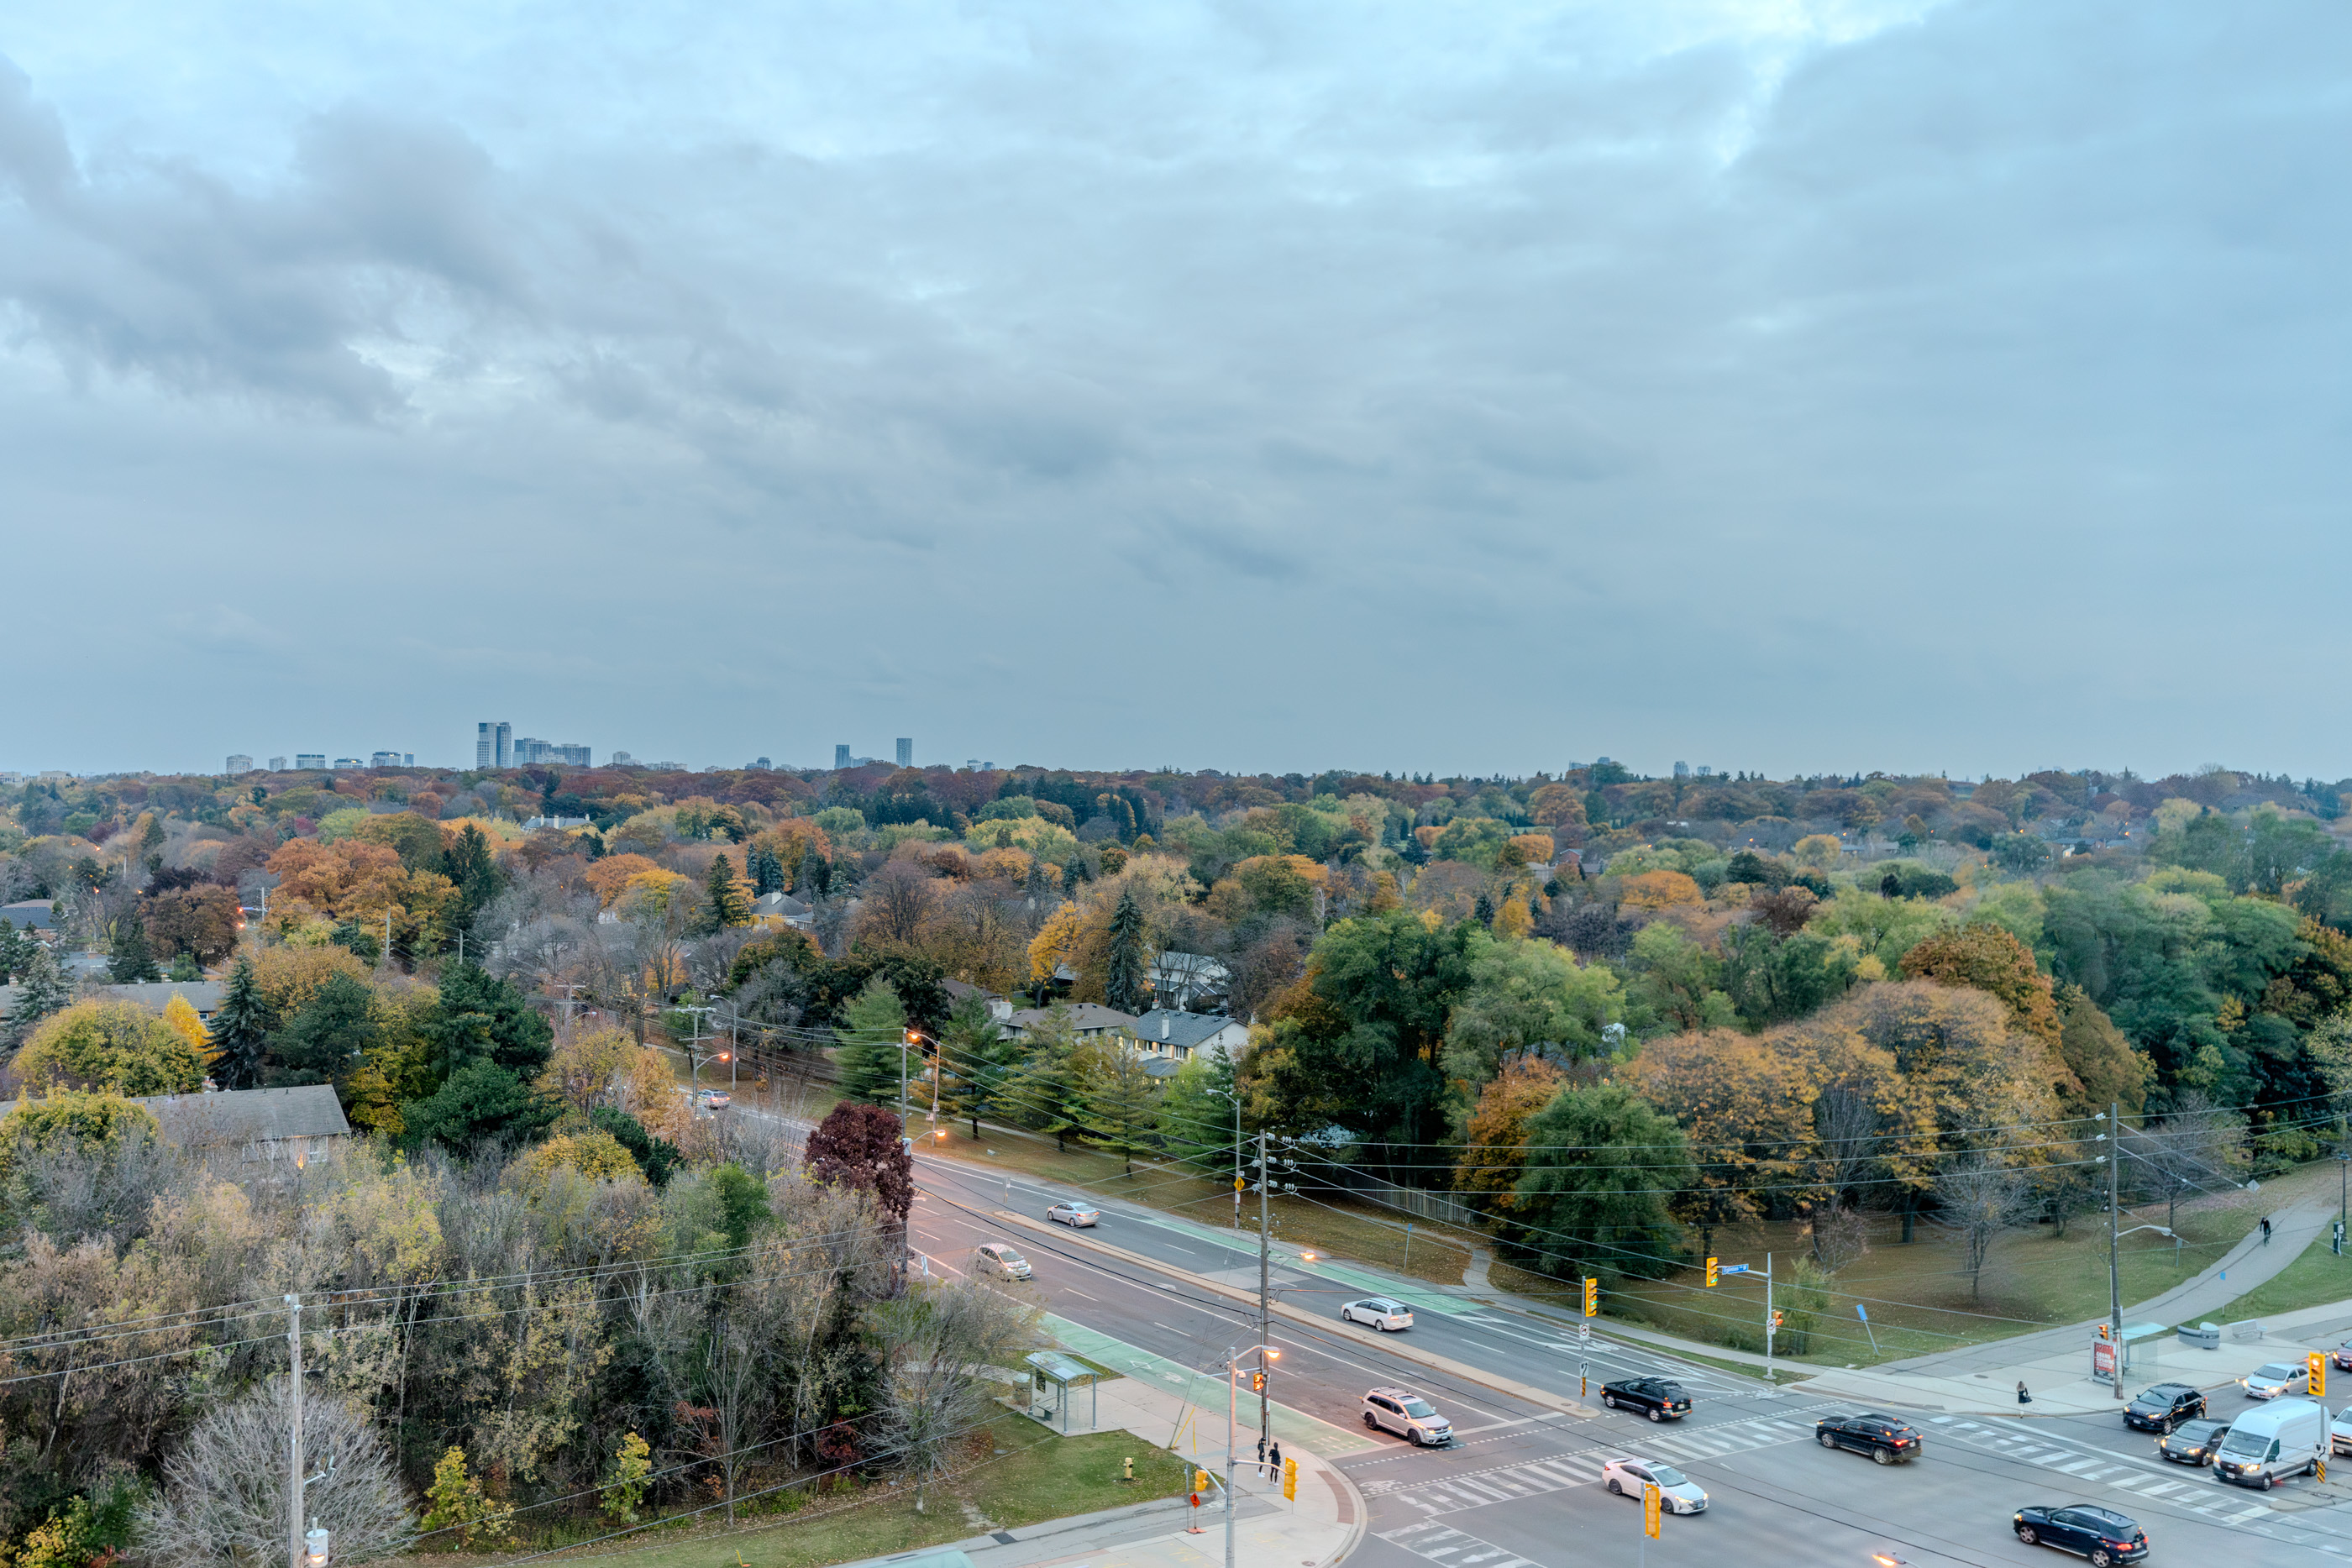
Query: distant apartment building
{"x":493,"y":745}
{"x":906,"y":751}
{"x":309,"y":760}
{"x":622,"y":759}
{"x":239,"y":762}
{"x":348,"y":762}
{"x":762,"y":764}
{"x":277,"y":764}
{"x":529,"y":751}
{"x":841,"y":757}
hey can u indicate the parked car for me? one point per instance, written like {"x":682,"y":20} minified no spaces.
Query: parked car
{"x":1408,"y":1415}
{"x":1659,"y":1398}
{"x":2192,"y":1442}
{"x":1887,"y":1439}
{"x":716,"y":1099}
{"x":2288,"y":1437}
{"x":2164,"y":1406}
{"x":1075,"y":1214}
{"x":1677,"y":1493}
{"x":1379,"y":1311}
{"x":2086,"y":1530}
{"x":1001,"y":1260}
{"x":2274,"y":1378}
{"x":2340,"y":1432}
{"x":2342,"y":1357}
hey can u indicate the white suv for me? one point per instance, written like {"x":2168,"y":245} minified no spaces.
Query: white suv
{"x":1408,"y":1415}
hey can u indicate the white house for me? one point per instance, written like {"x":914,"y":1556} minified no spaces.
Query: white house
{"x":1177,"y":1036}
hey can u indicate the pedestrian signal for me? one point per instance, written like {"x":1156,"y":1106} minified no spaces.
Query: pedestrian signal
{"x":1592,"y":1298}
{"x":1200,"y":1480}
{"x":1774,"y":1327}
{"x":1710,"y":1274}
{"x":1650,"y":1509}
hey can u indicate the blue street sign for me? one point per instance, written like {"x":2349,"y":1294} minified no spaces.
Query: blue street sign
{"x":1862,"y":1311}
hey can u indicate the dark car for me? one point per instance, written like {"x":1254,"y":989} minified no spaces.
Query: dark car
{"x":1655,"y":1397}
{"x":2342,"y":1357}
{"x":2086,"y":1530}
{"x":2192,"y":1442}
{"x":2164,"y":1406}
{"x":1886,"y":1438}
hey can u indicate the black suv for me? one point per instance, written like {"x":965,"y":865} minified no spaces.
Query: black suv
{"x":1886,"y":1438}
{"x":2101,"y":1534}
{"x":1655,"y":1397}
{"x":2192,"y":1442}
{"x":2164,"y":1406}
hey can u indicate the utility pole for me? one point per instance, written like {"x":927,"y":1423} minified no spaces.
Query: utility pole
{"x":1264,"y":1245}
{"x":1770,"y":1324}
{"x":294,"y":1486}
{"x":2114,"y":1225}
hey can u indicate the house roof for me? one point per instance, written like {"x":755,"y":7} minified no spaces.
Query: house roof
{"x":1085,"y":1017}
{"x":1186,"y":1031}
{"x":205,"y":996}
{"x":245,"y":1115}
{"x":40,"y":911}
{"x":783,"y":904}
{"x":960,"y":989}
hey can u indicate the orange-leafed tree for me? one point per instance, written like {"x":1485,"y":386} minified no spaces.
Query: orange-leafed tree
{"x":1495,"y":1154}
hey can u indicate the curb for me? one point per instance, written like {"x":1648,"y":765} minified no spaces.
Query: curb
{"x":1429,"y":1359}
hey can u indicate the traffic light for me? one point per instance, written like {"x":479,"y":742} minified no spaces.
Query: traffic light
{"x":1776,"y":1322}
{"x":1257,"y":1383}
{"x":1290,"y":1480}
{"x":2103,"y":1331}
{"x":1650,"y":1500}
{"x":1200,"y":1480}
{"x":2319,"y":1375}
{"x":1710,"y":1274}
{"x":1591,"y":1297}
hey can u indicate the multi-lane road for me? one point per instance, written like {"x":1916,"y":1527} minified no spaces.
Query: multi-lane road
{"x":1521,"y":1486}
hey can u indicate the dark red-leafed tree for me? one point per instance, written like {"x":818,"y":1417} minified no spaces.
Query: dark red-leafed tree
{"x":858,"y":1145}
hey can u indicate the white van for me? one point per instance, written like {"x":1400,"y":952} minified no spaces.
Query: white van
{"x":2287,"y":1437}
{"x":1001,"y":1260}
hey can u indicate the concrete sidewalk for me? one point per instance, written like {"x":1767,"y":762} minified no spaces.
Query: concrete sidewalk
{"x":1322,"y":1525}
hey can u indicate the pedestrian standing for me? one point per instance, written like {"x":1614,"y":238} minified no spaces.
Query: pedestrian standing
{"x":1274,"y":1459}
{"x":2023,"y":1398}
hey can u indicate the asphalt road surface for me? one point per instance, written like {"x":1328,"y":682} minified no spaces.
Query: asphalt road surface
{"x":1520,"y":1486}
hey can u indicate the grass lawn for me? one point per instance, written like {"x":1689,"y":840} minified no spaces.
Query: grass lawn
{"x":1918,"y":1293}
{"x":1036,"y":1476}
{"x":2314,"y":1278}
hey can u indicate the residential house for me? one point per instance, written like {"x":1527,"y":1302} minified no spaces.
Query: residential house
{"x":267,"y":1127}
{"x":1180,"y":980}
{"x":1091,"y":1020}
{"x":777,"y":911}
{"x":1174,"y":1036}
{"x":205,"y":996}
{"x":31,"y":913}
{"x":999,"y":1008}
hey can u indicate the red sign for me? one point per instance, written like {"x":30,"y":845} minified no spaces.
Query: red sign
{"x":2103,"y":1361}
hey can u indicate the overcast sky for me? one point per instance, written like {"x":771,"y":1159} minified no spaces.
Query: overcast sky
{"x":1776,"y":385}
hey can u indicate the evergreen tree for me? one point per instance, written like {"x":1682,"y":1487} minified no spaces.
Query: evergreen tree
{"x":978,"y":1062}
{"x":1128,"y":987}
{"x":1048,"y":1087}
{"x":767,"y":872}
{"x":41,"y":990}
{"x":1121,"y":1102}
{"x":1482,"y":910}
{"x":240,"y":1030}
{"x":185,"y":969}
{"x":12,"y":951}
{"x":726,"y":905}
{"x":872,"y":1036}
{"x":130,"y":961}
{"x":479,"y":1017}
{"x":478,"y":1105}
{"x":468,"y":864}
{"x":326,"y":1040}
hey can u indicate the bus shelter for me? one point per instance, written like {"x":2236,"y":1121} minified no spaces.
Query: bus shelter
{"x":1051,"y":1368}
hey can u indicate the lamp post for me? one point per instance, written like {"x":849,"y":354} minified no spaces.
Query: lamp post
{"x":1236,"y":1102}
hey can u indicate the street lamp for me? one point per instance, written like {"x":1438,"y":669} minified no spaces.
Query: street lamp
{"x":314,"y":1545}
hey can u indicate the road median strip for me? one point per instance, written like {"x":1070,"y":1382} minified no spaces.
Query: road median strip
{"x":1429,"y":1359}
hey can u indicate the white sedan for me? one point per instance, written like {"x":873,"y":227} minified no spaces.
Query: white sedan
{"x":1075,"y":1214}
{"x":1677,"y":1493}
{"x":1379,"y":1311}
{"x":2274,"y":1378}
